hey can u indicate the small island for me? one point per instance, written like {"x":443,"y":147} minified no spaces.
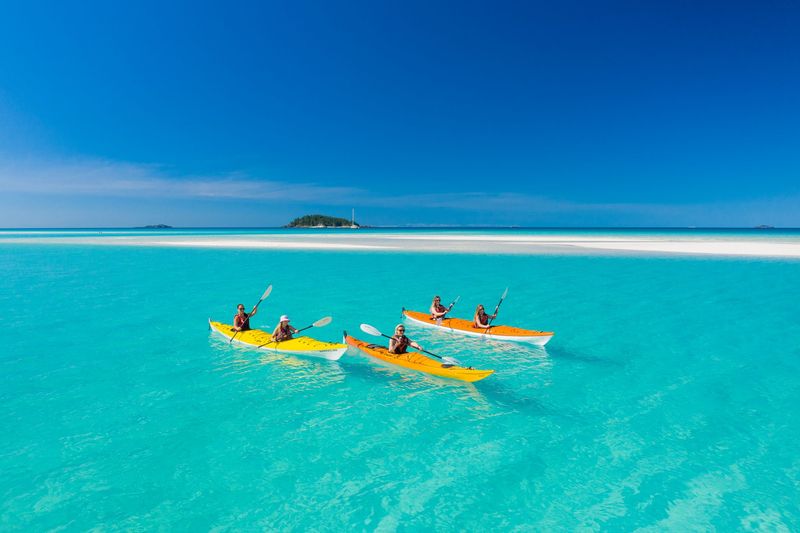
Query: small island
{"x":764,"y":226}
{"x":156,"y":226}
{"x":322,"y":221}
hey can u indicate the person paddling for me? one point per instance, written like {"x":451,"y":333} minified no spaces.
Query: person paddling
{"x":241,"y":320}
{"x":437,"y":309}
{"x":481,"y":319}
{"x":399,"y":343}
{"x":283,"y":331}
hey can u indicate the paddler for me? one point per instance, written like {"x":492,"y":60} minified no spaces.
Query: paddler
{"x":241,"y":320}
{"x":399,"y":343}
{"x":437,"y":309}
{"x":481,"y":319}
{"x":283,"y":331}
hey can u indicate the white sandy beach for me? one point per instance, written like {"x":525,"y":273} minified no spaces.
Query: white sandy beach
{"x":525,"y":244}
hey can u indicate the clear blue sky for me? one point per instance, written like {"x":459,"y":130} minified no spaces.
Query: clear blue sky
{"x":529,"y":113}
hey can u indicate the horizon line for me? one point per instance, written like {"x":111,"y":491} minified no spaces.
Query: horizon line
{"x":400,"y":226}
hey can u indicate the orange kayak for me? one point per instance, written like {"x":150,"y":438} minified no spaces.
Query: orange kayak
{"x":417,"y":361}
{"x":465,"y":327}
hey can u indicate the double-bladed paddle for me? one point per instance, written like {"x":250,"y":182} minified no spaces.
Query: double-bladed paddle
{"x":371,"y":330}
{"x":263,"y":297}
{"x":497,"y":308}
{"x":324,"y":321}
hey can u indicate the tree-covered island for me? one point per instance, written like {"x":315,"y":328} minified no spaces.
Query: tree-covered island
{"x":321,"y":221}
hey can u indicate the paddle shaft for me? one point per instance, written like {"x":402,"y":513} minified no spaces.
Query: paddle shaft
{"x":496,"y":309}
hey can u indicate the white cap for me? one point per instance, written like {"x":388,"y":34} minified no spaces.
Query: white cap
{"x":284,"y":318}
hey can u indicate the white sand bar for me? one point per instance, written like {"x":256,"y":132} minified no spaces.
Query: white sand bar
{"x":488,"y":243}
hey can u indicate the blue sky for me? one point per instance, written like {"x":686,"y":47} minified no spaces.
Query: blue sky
{"x":523,"y":113}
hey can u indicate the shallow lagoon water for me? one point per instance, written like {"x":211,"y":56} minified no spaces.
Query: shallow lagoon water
{"x":667,"y":398}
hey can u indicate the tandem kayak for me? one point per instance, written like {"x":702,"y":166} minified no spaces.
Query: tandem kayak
{"x":417,"y":361}
{"x":256,"y":338}
{"x":465,"y":327}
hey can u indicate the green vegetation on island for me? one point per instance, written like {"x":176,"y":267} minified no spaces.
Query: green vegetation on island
{"x":321,"y":221}
{"x":156,"y":226}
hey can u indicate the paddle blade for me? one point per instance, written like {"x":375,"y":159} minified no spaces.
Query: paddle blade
{"x":366,"y":328}
{"x":323,"y":322}
{"x":456,"y":300}
{"x":451,"y":361}
{"x":505,"y":293}
{"x":266,"y":293}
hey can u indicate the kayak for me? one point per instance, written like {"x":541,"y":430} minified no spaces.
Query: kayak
{"x":255,"y":338}
{"x":465,"y":327}
{"x":417,"y":361}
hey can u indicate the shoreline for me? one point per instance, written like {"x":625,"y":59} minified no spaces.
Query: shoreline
{"x":445,"y":243}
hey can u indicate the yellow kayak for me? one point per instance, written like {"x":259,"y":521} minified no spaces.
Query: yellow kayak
{"x":419,"y":362}
{"x":256,"y":338}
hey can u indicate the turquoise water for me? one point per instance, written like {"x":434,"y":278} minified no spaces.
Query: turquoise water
{"x":667,"y":399}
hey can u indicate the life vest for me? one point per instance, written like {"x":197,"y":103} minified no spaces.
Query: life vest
{"x":400,"y":344}
{"x":439,"y":309}
{"x":480,"y":318}
{"x":284,"y":334}
{"x":243,"y":323}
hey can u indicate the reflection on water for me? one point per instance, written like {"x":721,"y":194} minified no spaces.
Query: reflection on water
{"x":521,"y":373}
{"x":487,"y":398}
{"x":301,"y":373}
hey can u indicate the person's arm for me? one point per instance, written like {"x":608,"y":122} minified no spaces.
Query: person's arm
{"x":237,"y":324}
{"x":477,"y":322}
{"x":275,"y":332}
{"x":392,"y":344}
{"x":414,"y":345}
{"x":253,"y":313}
{"x":293,"y":329}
